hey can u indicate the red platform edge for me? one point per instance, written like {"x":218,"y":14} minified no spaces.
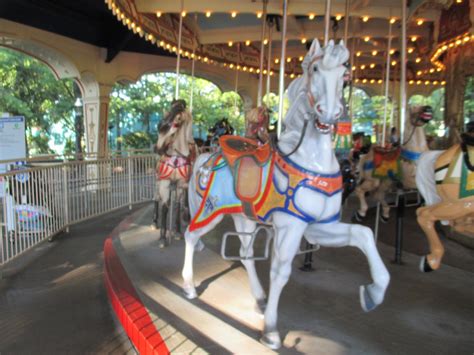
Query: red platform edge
{"x":126,"y":303}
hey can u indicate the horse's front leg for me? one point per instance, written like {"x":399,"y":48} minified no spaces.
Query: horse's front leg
{"x":289,"y":231}
{"x":380,"y":195}
{"x":344,"y":234}
{"x":368,"y":185}
{"x":192,"y":239}
{"x":245,"y":225}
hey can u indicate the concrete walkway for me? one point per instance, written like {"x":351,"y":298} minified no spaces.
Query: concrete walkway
{"x":58,"y":304}
{"x":319,"y":311}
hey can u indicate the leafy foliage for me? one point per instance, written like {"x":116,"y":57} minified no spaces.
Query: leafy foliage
{"x":136,"y":109}
{"x":28,"y":88}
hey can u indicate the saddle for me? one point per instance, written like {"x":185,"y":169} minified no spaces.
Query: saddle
{"x":245,"y":159}
{"x":385,"y":154}
{"x":386,"y":163}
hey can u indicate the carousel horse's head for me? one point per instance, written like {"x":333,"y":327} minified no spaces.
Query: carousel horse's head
{"x":173,"y":117}
{"x":325,"y":74}
{"x":421,"y":115}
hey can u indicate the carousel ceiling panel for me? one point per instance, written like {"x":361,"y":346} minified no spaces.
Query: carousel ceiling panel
{"x":373,"y":8}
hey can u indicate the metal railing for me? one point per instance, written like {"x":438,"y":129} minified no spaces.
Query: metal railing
{"x":40,"y":201}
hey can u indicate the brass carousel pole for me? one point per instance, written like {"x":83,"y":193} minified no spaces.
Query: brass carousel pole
{"x":403,"y":71}
{"x":269,"y":59}
{"x":193,"y":62}
{"x":178,"y":51}
{"x":281,"y":81}
{"x":262,"y":53}
{"x":327,"y":20}
{"x":387,"y":82}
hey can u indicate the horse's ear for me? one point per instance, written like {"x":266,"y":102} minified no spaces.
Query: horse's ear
{"x":315,"y":48}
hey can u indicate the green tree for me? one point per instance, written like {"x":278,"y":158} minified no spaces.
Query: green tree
{"x":136,"y":108}
{"x":28,"y":88}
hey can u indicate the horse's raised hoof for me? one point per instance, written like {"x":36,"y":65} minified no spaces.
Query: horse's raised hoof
{"x":271,"y":340}
{"x":366,"y":300}
{"x":383,"y":219}
{"x":425,"y":265}
{"x":189,"y":292}
{"x":260,"y":306}
{"x":200,"y":245}
{"x":357,"y":217}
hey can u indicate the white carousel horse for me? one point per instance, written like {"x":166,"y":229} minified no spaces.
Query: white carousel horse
{"x":176,"y":148}
{"x":301,"y":191}
{"x":404,"y":161}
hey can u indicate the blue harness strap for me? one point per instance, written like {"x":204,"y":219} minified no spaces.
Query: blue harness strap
{"x":409,"y":155}
{"x":368,"y":165}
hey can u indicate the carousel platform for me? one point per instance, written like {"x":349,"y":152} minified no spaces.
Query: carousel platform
{"x":319,"y":311}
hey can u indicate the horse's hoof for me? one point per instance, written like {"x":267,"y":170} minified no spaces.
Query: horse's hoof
{"x":162,"y":243}
{"x":383,"y":219}
{"x":153,"y":226}
{"x":189,"y":292}
{"x":357,"y":217}
{"x":271,"y":340}
{"x":425,"y":265}
{"x":178,"y":236}
{"x":200,"y":245}
{"x":260,"y":306}
{"x":366,"y":300}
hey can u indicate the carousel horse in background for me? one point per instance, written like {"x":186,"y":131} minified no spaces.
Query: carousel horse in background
{"x":383,"y":166}
{"x":256,"y":122}
{"x":295,"y":186}
{"x":220,"y":128}
{"x":177,"y":152}
{"x":446,"y":181}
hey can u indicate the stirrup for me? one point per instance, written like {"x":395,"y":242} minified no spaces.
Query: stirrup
{"x":268,"y":237}
{"x":314,"y":247}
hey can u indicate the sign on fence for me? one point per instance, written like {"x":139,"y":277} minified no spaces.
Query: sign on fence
{"x":12,"y":143}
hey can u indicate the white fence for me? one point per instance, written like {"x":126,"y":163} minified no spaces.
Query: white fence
{"x":45,"y":199}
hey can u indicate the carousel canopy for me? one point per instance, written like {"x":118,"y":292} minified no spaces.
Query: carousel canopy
{"x":228,"y":33}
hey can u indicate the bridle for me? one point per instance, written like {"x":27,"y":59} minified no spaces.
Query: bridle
{"x":415,"y":126}
{"x":312,"y":104}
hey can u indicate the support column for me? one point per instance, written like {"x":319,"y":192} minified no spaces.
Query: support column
{"x":96,"y":101}
{"x":459,"y":65}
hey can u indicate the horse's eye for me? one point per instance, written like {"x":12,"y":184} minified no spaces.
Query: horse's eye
{"x":315,"y":68}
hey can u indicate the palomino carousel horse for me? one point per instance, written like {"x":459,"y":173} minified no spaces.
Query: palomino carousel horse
{"x":295,"y":187}
{"x":382,"y":166}
{"x":446,"y":181}
{"x":177,"y":152}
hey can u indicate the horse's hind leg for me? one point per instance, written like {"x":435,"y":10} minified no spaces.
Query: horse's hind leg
{"x":343,"y":234}
{"x":245,"y":225}
{"x":427,"y":216}
{"x":191,"y":239}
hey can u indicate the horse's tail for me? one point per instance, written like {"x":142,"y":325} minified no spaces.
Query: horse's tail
{"x":193,"y":197}
{"x":425,"y":176}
